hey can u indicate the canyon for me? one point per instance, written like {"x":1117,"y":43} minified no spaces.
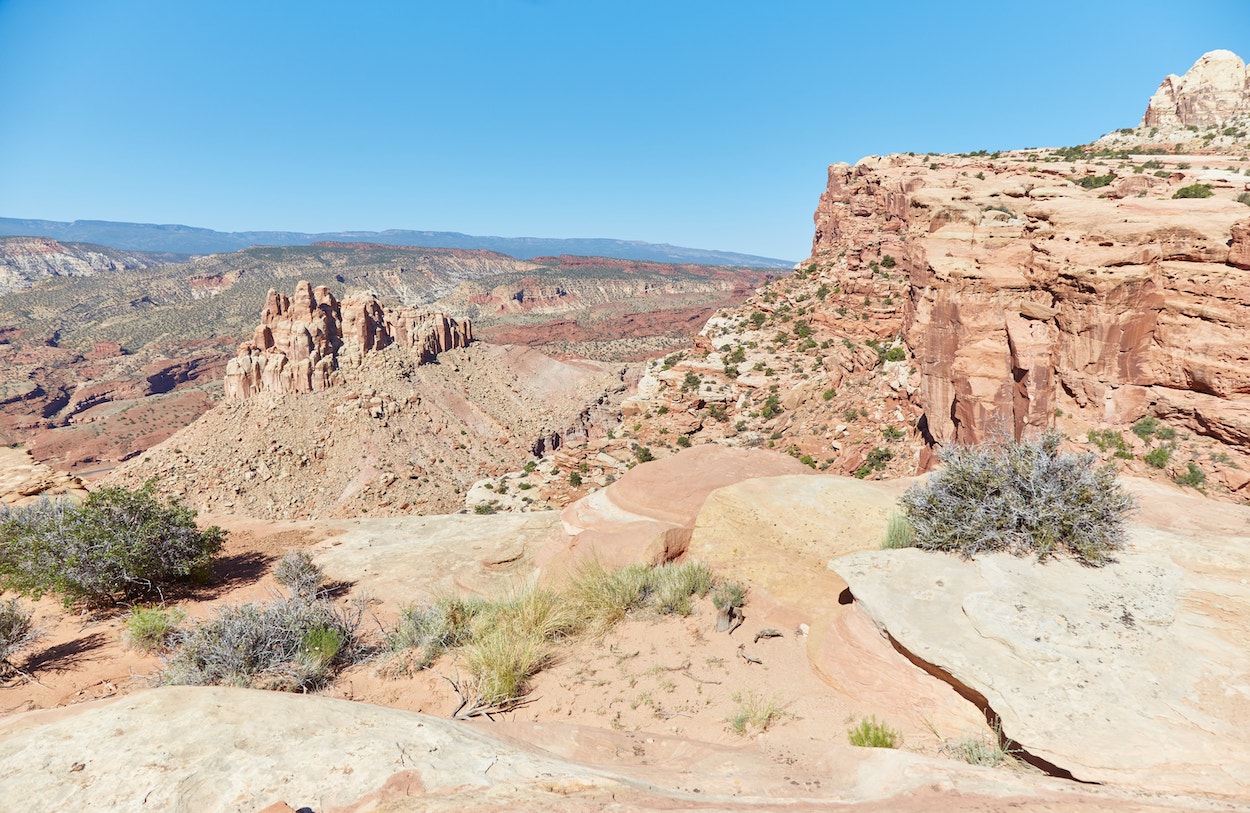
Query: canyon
{"x":435,"y":423}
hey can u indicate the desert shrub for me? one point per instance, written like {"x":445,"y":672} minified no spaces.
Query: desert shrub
{"x":1194,"y":476}
{"x":119,"y":544}
{"x":297,"y":572}
{"x":729,"y":594}
{"x":575,"y":479}
{"x":287,"y":643}
{"x":1158,"y":457}
{"x":899,"y":533}
{"x":1244,"y":197}
{"x":149,"y":629}
{"x":895,"y":353}
{"x":683,"y":441}
{"x":1146,"y":427}
{"x":17,"y":631}
{"x":1021,"y":497}
{"x":1194,"y":190}
{"x":871,"y":734}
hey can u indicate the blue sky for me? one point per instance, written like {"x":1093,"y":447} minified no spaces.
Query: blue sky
{"x":706,"y":124}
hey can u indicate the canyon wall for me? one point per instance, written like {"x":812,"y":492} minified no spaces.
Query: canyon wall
{"x":1032,"y":291}
{"x":302,"y":341}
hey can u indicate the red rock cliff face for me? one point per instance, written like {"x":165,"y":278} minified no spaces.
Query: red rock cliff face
{"x":1030,"y":294}
{"x":302,"y":341}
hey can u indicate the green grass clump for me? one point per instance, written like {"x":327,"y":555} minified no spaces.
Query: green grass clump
{"x":1022,"y":497}
{"x":754,"y":712}
{"x":148,"y":629}
{"x":899,"y":533}
{"x":505,"y":642}
{"x":1158,"y":457}
{"x":871,"y":734}
{"x":1194,"y":476}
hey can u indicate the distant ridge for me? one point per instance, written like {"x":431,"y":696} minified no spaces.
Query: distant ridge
{"x":191,"y":240}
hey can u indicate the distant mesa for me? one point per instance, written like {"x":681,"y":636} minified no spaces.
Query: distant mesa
{"x":1210,"y":94}
{"x":190,"y":240}
{"x":303,"y":341}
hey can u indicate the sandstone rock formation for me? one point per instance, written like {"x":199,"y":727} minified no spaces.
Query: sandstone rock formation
{"x":23,"y":480}
{"x":1126,"y":673}
{"x":302,"y":341}
{"x":1027,"y":293}
{"x":1211,"y":93}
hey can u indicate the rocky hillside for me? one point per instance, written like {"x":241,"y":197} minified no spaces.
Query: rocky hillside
{"x":347,"y":409}
{"x":96,"y":369}
{"x":27,"y":260}
{"x":955,"y":298}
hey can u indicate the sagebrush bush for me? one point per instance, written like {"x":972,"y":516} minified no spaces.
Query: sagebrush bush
{"x":17,"y":631}
{"x":1021,"y":497}
{"x":287,"y":643}
{"x":297,"y":572}
{"x":119,"y":544}
{"x":148,"y":629}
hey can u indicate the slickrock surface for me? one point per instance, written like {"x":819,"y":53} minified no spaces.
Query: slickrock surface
{"x":405,"y":560}
{"x":1136,"y":672}
{"x":648,"y":514}
{"x":24,"y":480}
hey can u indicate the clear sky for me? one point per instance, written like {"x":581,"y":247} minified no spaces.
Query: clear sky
{"x":705,"y":124}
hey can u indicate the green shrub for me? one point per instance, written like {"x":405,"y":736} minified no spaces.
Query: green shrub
{"x":575,"y":479}
{"x":871,"y":734}
{"x":119,"y":544}
{"x":1146,"y":427}
{"x":1094,"y":181}
{"x":289,"y":644}
{"x":1194,"y":190}
{"x":1158,"y":457}
{"x":895,"y":353}
{"x":1244,"y":197}
{"x":683,"y":441}
{"x":1022,"y":497}
{"x":1194,"y":476}
{"x":17,"y":631}
{"x":148,"y":629}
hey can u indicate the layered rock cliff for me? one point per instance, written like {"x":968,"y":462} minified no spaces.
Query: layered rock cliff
{"x":26,"y":260}
{"x":1028,"y":293}
{"x":302,"y":341}
{"x":1211,"y":93}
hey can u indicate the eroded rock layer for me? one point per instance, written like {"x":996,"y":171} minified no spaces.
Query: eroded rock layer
{"x":302,"y":341}
{"x":1031,"y":292}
